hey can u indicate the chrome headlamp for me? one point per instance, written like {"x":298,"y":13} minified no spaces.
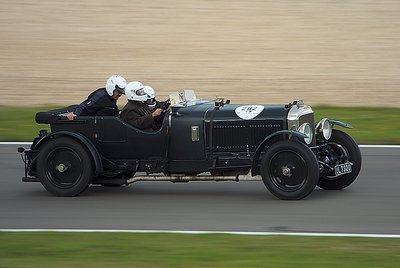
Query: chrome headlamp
{"x":324,"y":127}
{"x":306,"y":130}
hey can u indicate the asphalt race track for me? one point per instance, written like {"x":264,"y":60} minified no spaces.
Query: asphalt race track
{"x":370,"y":205}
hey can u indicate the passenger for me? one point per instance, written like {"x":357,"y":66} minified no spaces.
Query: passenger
{"x":136,"y":112}
{"x":102,"y":101}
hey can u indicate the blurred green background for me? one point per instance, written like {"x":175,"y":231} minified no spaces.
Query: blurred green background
{"x":370,"y":125}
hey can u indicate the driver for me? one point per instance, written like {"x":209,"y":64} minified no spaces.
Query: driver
{"x":155,"y":104}
{"x":137,"y":112}
{"x":152,"y":102}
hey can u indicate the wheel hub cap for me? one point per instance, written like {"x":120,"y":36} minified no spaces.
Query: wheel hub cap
{"x":61,"y":168}
{"x":286,"y":171}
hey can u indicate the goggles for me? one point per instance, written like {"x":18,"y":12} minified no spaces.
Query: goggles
{"x":140,"y":92}
{"x":120,"y":89}
{"x":151,"y":101}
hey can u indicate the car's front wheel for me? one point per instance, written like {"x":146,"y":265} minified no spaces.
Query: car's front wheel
{"x":342,"y":146}
{"x":65,"y":167}
{"x":289,"y":170}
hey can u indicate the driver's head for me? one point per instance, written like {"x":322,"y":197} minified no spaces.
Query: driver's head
{"x":151,"y":96}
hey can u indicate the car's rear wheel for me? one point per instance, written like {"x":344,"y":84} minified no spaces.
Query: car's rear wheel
{"x":289,"y":170}
{"x":342,"y":146}
{"x":65,"y":167}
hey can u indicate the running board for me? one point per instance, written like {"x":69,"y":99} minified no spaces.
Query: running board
{"x":183,"y":178}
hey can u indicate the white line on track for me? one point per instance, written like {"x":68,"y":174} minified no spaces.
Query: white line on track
{"x":379,"y":146}
{"x":208,"y":232}
{"x":361,"y":146}
{"x":15,"y":143}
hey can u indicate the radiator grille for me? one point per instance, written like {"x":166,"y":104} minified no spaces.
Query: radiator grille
{"x":237,"y":136}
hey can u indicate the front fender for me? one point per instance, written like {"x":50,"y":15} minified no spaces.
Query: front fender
{"x":261,"y":146}
{"x":86,"y":142}
{"x":339,"y":123}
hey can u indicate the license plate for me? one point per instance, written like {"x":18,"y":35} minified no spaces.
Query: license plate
{"x":343,"y":169}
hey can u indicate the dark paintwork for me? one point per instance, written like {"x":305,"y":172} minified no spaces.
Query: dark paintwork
{"x":116,"y":145}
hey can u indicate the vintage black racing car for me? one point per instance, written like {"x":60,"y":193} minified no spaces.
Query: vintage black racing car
{"x":199,"y":141}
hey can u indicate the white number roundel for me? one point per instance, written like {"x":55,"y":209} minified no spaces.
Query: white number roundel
{"x":248,"y":112}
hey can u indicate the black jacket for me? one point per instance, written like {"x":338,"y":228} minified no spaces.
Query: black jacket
{"x":138,"y":115}
{"x":98,"y":103}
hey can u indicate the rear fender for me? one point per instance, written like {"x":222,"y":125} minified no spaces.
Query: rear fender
{"x":264,"y":143}
{"x":87,"y":143}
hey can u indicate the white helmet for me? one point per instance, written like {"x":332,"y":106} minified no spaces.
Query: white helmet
{"x":151,"y":96}
{"x":135,"y":91}
{"x":115,"y":82}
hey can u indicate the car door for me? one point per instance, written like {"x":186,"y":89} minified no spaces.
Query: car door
{"x":119,"y":140}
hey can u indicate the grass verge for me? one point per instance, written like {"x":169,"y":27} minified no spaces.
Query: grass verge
{"x":370,"y":125}
{"x":49,"y":249}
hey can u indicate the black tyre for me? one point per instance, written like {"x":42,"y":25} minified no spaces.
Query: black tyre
{"x":289,"y":170}
{"x":343,"y":146}
{"x":65,"y":167}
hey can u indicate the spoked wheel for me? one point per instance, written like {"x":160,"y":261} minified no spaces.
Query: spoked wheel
{"x":65,"y":167}
{"x":289,"y":170}
{"x":344,"y":148}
